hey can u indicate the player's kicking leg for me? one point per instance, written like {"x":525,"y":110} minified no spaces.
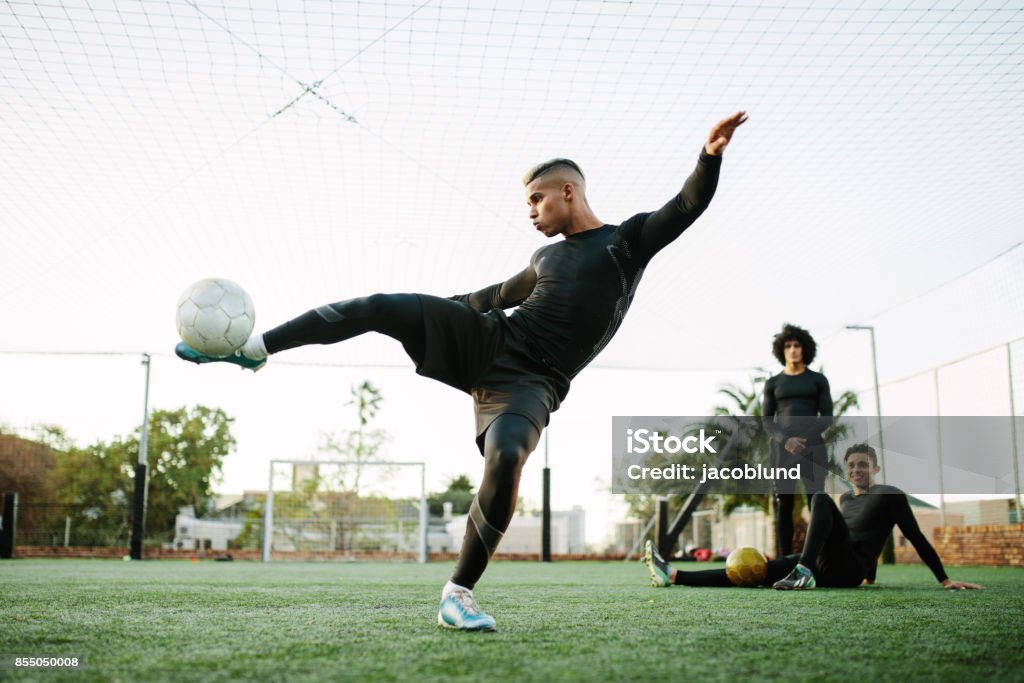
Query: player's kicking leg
{"x":509,"y":441}
{"x":397,"y":315}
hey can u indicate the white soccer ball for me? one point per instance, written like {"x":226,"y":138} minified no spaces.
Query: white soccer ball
{"x":215,"y":317}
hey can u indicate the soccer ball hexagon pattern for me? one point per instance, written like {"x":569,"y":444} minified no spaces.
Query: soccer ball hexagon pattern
{"x":746,"y":567}
{"x":215,"y":317}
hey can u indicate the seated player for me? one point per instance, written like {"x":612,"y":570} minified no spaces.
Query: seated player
{"x":843,"y":543}
{"x":569,"y":302}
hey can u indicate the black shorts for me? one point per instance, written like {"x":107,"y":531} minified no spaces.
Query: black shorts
{"x":479,"y":354}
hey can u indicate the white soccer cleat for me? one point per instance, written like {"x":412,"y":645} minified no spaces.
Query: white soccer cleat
{"x":460,"y":611}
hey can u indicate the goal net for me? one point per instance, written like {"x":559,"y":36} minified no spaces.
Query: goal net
{"x":345,"y":510}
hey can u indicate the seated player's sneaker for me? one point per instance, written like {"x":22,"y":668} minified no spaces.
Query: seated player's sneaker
{"x":186,"y":352}
{"x":659,"y":569}
{"x":459,"y":610}
{"x":799,"y":579}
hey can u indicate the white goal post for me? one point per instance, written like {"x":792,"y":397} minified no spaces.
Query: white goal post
{"x":345,"y":509}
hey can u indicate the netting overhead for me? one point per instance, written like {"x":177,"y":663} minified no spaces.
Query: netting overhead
{"x":316,"y":151}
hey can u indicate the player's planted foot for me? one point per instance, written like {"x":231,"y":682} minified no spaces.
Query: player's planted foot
{"x":460,"y":611}
{"x":800,"y":579}
{"x":659,"y":569}
{"x":186,"y":352}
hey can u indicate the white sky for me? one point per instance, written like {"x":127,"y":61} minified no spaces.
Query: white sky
{"x":149,"y":145}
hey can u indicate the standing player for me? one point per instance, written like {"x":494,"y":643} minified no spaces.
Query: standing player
{"x":843,"y":543}
{"x":796,"y":412}
{"x":571,"y":299}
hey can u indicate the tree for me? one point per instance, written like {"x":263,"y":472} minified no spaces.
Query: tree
{"x":28,"y":467}
{"x":95,"y":485}
{"x":186,"y":451}
{"x":361,"y":445}
{"x":459,"y":493}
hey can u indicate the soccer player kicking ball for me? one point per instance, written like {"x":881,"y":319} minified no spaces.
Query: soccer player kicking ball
{"x":843,"y":543}
{"x":571,"y":299}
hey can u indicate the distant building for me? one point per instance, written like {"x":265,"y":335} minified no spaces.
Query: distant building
{"x":523,"y":536}
{"x":192,"y":533}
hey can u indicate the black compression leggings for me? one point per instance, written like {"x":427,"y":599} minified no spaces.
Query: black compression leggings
{"x":507,"y":444}
{"x":399,"y":316}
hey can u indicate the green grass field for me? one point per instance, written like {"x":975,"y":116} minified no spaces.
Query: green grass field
{"x":210,"y":621}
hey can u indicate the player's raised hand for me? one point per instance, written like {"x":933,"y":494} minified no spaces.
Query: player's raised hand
{"x":722,"y":132}
{"x":961,"y":585}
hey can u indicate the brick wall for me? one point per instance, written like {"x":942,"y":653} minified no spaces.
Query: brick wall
{"x":982,"y":544}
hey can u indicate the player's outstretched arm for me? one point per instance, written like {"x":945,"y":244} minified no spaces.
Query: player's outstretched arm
{"x":507,"y":294}
{"x":669,"y":222}
{"x":908,"y":525}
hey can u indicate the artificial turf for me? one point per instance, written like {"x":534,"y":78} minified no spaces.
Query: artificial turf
{"x":567,"y":621}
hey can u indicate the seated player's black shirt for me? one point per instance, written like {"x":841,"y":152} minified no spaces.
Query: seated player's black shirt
{"x":870,"y":518}
{"x":574,"y":294}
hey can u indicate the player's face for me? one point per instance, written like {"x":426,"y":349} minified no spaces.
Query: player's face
{"x":793,"y":352}
{"x":860,"y":471}
{"x":549,"y":206}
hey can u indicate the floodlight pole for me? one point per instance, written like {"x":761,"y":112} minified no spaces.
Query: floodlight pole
{"x":268,"y":514}
{"x":1013,"y":440}
{"x":423,"y":514}
{"x":139,"y":501}
{"x":545,"y":530}
{"x":878,"y":393}
{"x":889,"y":550}
{"x":938,"y":449}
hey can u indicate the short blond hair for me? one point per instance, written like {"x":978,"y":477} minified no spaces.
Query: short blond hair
{"x":550,"y":165}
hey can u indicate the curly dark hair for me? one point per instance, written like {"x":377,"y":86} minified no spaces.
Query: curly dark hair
{"x":799,"y":334}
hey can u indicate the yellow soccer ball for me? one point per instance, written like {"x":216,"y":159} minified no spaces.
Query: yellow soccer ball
{"x":746,"y":567}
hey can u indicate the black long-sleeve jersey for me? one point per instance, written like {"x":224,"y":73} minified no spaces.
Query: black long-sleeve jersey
{"x":793,"y":404}
{"x":574,"y":294}
{"x":870,"y":518}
